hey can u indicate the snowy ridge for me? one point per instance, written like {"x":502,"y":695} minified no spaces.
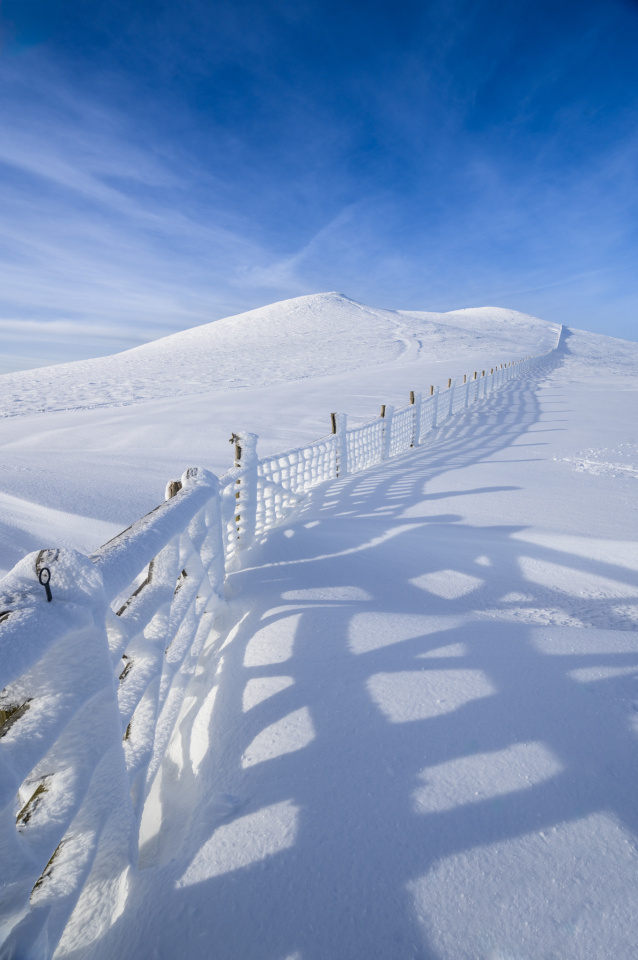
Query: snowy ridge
{"x":306,"y":337}
{"x":143,"y":610}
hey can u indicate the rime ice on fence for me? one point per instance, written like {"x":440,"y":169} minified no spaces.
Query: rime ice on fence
{"x":100,"y":675}
{"x":93,"y":684}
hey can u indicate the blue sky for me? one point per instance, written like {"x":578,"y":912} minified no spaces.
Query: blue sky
{"x":167,"y":163}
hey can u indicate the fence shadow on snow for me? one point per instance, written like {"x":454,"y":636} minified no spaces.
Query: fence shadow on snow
{"x":340,"y":757}
{"x":97,"y":762}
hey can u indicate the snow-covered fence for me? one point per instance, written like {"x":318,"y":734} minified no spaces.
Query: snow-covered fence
{"x":93,"y":682}
{"x":92,"y":688}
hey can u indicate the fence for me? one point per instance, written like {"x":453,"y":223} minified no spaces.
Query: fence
{"x":93,"y":684}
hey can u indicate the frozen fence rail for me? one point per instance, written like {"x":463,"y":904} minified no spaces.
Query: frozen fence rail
{"x":93,"y":683}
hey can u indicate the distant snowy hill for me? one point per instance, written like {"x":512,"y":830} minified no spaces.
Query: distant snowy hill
{"x":87,"y":447}
{"x":307,"y":337}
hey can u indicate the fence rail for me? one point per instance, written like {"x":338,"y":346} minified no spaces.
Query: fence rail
{"x":93,"y":683}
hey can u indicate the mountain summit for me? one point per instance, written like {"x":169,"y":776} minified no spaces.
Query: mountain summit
{"x":311,"y":336}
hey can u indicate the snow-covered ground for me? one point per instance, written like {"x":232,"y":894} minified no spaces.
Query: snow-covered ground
{"x":81,"y":439}
{"x":301,"y":339}
{"x":417,"y":733}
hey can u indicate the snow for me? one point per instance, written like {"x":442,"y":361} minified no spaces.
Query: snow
{"x":305,"y":338}
{"x":414,"y":733}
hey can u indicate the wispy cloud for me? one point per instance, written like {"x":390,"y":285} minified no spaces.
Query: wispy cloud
{"x":288,"y":272}
{"x":434,"y":156}
{"x":92,"y":229}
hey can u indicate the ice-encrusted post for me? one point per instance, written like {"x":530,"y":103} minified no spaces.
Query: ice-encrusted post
{"x":246,"y":493}
{"x":212,"y":550}
{"x":450,"y":386}
{"x":435,"y":416}
{"x":339,"y":428}
{"x":415,"y":399}
{"x":387,"y":413}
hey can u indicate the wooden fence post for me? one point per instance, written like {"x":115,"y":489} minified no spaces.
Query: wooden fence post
{"x":435,"y":416}
{"x":215,"y":552}
{"x":387,"y":413}
{"x":415,"y":398}
{"x":340,"y":429}
{"x":450,"y":386}
{"x":246,"y":486}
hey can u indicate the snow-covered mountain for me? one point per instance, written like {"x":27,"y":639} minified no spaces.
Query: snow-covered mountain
{"x":87,"y":447}
{"x":304,"y":338}
{"x":419,"y":736}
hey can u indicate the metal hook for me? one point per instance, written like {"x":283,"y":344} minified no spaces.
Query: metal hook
{"x":44,"y":576}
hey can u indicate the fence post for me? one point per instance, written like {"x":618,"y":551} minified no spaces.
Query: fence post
{"x":450,"y":386}
{"x":340,"y":428}
{"x":387,"y":412}
{"x":415,"y":398}
{"x":246,"y":493}
{"x":435,"y":417}
{"x":215,"y":552}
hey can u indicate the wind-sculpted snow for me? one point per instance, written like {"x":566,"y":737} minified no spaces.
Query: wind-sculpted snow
{"x":308,"y":337}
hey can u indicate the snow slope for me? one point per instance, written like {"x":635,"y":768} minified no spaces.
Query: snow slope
{"x":415,"y":735}
{"x":99,"y":438}
{"x":307,"y":337}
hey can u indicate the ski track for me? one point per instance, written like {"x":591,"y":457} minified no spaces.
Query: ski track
{"x":413,"y":734}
